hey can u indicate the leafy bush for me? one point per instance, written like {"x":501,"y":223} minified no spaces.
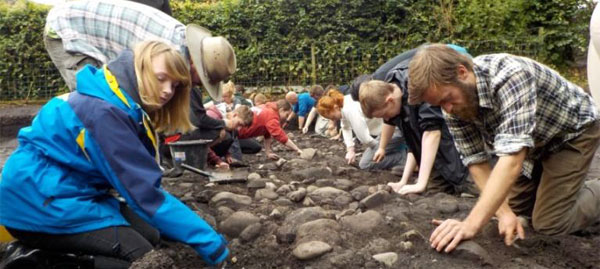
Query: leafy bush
{"x":276,"y":40}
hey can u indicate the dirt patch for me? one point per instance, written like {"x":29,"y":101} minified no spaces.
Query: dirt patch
{"x":354,"y":217}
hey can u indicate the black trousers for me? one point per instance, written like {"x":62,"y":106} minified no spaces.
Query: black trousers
{"x":112,"y":247}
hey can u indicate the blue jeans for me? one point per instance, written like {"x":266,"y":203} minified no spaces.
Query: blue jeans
{"x":395,"y":154}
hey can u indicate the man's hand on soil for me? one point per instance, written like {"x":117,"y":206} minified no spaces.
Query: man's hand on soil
{"x":223,"y":166}
{"x":396,"y":186}
{"x":449,"y":233}
{"x":509,"y":226}
{"x":350,"y":156}
{"x":305,"y":130}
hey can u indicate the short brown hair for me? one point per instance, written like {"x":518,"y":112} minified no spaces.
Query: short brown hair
{"x":372,"y":95}
{"x":326,"y":103}
{"x":283,"y":104}
{"x":432,"y":65}
{"x":245,"y":114}
{"x":259,"y":99}
{"x":316,"y":91}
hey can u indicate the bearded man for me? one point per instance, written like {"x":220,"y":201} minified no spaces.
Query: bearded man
{"x":543,"y":129}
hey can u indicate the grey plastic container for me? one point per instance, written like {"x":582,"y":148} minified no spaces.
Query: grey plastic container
{"x":191,"y":152}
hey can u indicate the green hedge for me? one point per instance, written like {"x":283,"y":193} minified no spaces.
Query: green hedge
{"x":274,"y":39}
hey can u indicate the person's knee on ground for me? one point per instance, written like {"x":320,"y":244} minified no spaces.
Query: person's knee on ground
{"x":588,"y":213}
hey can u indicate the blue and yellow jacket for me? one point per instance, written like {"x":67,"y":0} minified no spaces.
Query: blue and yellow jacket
{"x":81,"y":145}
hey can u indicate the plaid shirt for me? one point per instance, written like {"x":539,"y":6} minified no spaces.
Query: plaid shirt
{"x":522,"y":103}
{"x":102,"y":29}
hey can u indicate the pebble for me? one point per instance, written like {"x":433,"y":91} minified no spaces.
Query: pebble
{"x":298,"y":195}
{"x":325,"y":230}
{"x":412,"y":235}
{"x":230,"y":199}
{"x":308,"y":153}
{"x":470,"y":250}
{"x":254,"y":176}
{"x":311,"y":250}
{"x":237,"y":222}
{"x":265,"y":194}
{"x":365,"y":222}
{"x":406,"y":246}
{"x":388,"y":258}
{"x":327,"y":195}
{"x":250,"y":232}
{"x":374,"y":200}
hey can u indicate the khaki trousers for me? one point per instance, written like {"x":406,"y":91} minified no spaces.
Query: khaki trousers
{"x":557,"y":197}
{"x":67,"y":63}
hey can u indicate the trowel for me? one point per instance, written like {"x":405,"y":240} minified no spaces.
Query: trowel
{"x":219,"y":177}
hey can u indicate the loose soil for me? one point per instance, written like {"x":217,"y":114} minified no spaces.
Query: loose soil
{"x":404,"y":228}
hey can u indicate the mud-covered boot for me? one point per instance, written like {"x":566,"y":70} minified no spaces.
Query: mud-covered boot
{"x":19,"y":256}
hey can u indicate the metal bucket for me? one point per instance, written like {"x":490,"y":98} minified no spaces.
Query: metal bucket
{"x":191,"y":152}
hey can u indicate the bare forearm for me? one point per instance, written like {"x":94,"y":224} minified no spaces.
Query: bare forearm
{"x":495,"y":190}
{"x":311,"y":117}
{"x":481,"y":173}
{"x":430,"y":145}
{"x":386,"y":134}
{"x":409,"y":167}
{"x":290,"y":144}
{"x":300,"y":122}
{"x":267,"y":144}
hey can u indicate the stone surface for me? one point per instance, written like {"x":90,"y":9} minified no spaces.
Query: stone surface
{"x":374,"y":200}
{"x":388,"y":258}
{"x":325,"y":230}
{"x":364,"y":222}
{"x":237,"y":222}
{"x":378,"y":245}
{"x":265,"y":194}
{"x":412,"y":235}
{"x":472,"y":251}
{"x":253,"y":176}
{"x":250,"y":232}
{"x":308,"y":153}
{"x":231,"y":200}
{"x":327,"y":195}
{"x":298,"y":195}
{"x":285,"y":234}
{"x":312,"y":172}
{"x":360,"y":192}
{"x":447,"y":206}
{"x":282,"y":201}
{"x":256,"y":183}
{"x":311,"y":250}
{"x":325,"y":182}
{"x":284,"y":189}
{"x":406,"y":246}
{"x":343,"y":184}
{"x":303,"y":215}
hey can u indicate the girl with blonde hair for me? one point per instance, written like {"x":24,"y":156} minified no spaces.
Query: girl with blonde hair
{"x":56,"y":187}
{"x":335,"y":106}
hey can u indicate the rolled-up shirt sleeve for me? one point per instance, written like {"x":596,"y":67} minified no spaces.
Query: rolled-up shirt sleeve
{"x":517,"y":99}
{"x":467,"y":139}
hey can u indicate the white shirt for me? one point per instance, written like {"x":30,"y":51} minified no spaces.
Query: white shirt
{"x":353,"y":119}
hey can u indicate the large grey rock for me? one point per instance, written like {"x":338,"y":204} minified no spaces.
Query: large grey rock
{"x":237,"y":222}
{"x":253,"y":176}
{"x":229,"y":199}
{"x":472,"y":251}
{"x":285,"y":234}
{"x":298,"y":195}
{"x":312,"y":172}
{"x":311,"y":250}
{"x":343,"y":200}
{"x":265,"y":194}
{"x":308,"y":153}
{"x":447,"y":205}
{"x":250,"y":232}
{"x":303,"y":215}
{"x":282,"y":201}
{"x":360,"y":192}
{"x":343,"y":184}
{"x":365,"y":222}
{"x":374,"y":200}
{"x":325,"y":182}
{"x":325,"y":230}
{"x":388,"y":258}
{"x":328,"y":195}
{"x":378,"y":245}
{"x":256,"y":183}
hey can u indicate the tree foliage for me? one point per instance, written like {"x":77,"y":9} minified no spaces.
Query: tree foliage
{"x":273,"y":38}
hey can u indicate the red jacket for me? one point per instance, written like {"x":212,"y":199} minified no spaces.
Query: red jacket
{"x":265,"y":123}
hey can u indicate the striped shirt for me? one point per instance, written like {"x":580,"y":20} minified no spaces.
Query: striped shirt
{"x":101,"y":29}
{"x":522,"y":103}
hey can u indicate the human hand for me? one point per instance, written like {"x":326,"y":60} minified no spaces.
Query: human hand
{"x":379,"y":155}
{"x":449,"y":233}
{"x":299,"y":151}
{"x":223,"y":166}
{"x":222,"y":134}
{"x":285,"y":124}
{"x":305,"y":130}
{"x":336,"y":137}
{"x":396,"y":186}
{"x":509,"y":225}
{"x":350,"y":156}
{"x":272,"y":156}
{"x":412,"y":188}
